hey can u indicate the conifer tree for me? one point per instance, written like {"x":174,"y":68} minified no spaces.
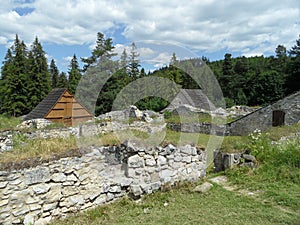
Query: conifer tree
{"x":54,"y":74}
{"x":14,"y":79}
{"x":74,"y":75}
{"x":62,"y":80}
{"x":133,"y":66}
{"x":39,"y":83}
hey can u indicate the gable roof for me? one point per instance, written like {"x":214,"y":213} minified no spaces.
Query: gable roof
{"x":42,"y":109}
{"x":193,"y":97}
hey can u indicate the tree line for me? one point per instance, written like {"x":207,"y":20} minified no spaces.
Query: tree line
{"x":26,"y":77}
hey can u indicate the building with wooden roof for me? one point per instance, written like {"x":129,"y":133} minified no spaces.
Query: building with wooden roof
{"x":60,"y":106}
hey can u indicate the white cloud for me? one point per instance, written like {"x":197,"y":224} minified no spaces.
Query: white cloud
{"x":207,"y":26}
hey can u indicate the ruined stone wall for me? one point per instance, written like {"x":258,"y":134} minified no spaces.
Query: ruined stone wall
{"x":262,"y":118}
{"x":37,"y":195}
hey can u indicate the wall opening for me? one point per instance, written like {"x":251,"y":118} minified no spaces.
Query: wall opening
{"x":278,"y":118}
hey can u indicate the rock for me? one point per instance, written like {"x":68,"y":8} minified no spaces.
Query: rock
{"x":134,"y":112}
{"x":203,"y":188}
{"x":37,"y":175}
{"x":220,"y":180}
{"x":249,"y":158}
{"x":29,"y":219}
{"x":41,"y":189}
{"x":136,"y":190}
{"x":136,"y":162}
{"x":34,"y":123}
{"x":161,"y":160}
{"x":146,"y":117}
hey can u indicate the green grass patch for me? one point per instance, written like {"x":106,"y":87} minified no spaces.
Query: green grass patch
{"x":183,"y":206}
{"x":8,"y":122}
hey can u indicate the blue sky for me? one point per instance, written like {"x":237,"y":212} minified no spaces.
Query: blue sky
{"x":208,"y":28}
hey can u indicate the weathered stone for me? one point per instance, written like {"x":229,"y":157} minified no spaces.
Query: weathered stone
{"x":37,"y":175}
{"x":4,"y":216}
{"x":29,"y":219}
{"x":71,"y":177}
{"x":150,"y":161}
{"x":69,"y":191}
{"x":54,"y":195}
{"x":100,"y":200}
{"x":110,"y":197}
{"x":249,"y":158}
{"x":20,"y":211}
{"x":49,"y":207}
{"x":136,"y":190}
{"x":15,"y":182}
{"x":43,"y":221}
{"x":161,"y":161}
{"x":220,"y":180}
{"x":41,"y":189}
{"x":77,"y":200}
{"x":115,"y":189}
{"x":59,"y":177}
{"x":35,"y":207}
{"x":187,"y":159}
{"x":203,"y":188}
{"x":136,"y":162}
{"x":3,"y":203}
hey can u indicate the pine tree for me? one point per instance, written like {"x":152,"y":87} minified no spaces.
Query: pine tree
{"x":74,"y":75}
{"x":62,"y":81}
{"x":14,"y":80}
{"x":54,"y":74}
{"x":39,"y":76}
{"x":102,"y":52}
{"x":123,"y":59}
{"x":133,"y":66}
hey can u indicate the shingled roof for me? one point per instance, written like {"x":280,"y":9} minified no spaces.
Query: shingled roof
{"x":43,"y":108}
{"x":192,"y":97}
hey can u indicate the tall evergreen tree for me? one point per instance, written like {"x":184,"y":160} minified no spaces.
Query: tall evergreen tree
{"x":133,"y":66}
{"x":123,"y":59}
{"x":14,"y":80}
{"x":54,"y":74}
{"x":103,"y":51}
{"x":62,"y":81}
{"x":74,"y":75}
{"x":40,"y":78}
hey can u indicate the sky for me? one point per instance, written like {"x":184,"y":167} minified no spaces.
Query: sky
{"x":207,"y":28}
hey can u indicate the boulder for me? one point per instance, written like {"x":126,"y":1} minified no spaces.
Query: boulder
{"x":203,"y":188}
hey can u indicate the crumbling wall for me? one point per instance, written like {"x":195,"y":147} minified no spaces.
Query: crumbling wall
{"x":103,"y":174}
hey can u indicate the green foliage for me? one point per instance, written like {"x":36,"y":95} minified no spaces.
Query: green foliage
{"x":8,"y":122}
{"x":74,"y":75}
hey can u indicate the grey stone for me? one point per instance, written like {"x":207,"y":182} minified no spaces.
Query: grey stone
{"x":20,"y":212}
{"x":59,"y":177}
{"x":220,"y":180}
{"x":115,"y":189}
{"x":136,"y":190}
{"x":37,"y":175}
{"x":150,"y":161}
{"x":3,"y":203}
{"x":29,"y":219}
{"x":100,"y":199}
{"x":41,"y":188}
{"x":161,"y":160}
{"x":203,"y":188}
{"x":136,"y":162}
{"x":249,"y":158}
{"x":3,"y":184}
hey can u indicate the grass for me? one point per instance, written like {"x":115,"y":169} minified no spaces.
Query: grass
{"x":8,"y":123}
{"x":183,"y":206}
{"x":277,"y":182}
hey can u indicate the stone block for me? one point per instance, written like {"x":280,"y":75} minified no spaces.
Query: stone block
{"x":3,"y":184}
{"x":100,"y":199}
{"x":59,"y":177}
{"x":136,"y":190}
{"x":161,"y":160}
{"x":41,"y":188}
{"x":150,"y":161}
{"x":136,"y":162}
{"x":37,"y":175}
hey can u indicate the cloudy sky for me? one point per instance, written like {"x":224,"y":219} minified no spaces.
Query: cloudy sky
{"x":208,"y":28}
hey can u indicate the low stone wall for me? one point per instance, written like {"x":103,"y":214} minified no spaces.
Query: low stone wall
{"x":196,"y":127}
{"x":37,"y":195}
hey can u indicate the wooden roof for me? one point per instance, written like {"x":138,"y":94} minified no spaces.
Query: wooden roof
{"x":43,"y":108}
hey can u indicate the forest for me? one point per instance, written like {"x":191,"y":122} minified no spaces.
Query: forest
{"x":26,"y":77}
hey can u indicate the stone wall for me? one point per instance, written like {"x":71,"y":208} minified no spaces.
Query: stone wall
{"x":262,"y":118}
{"x":196,"y":127}
{"x":37,"y":195}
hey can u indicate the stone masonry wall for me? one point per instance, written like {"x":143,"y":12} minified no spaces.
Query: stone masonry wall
{"x":262,"y":118}
{"x":103,"y":174}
